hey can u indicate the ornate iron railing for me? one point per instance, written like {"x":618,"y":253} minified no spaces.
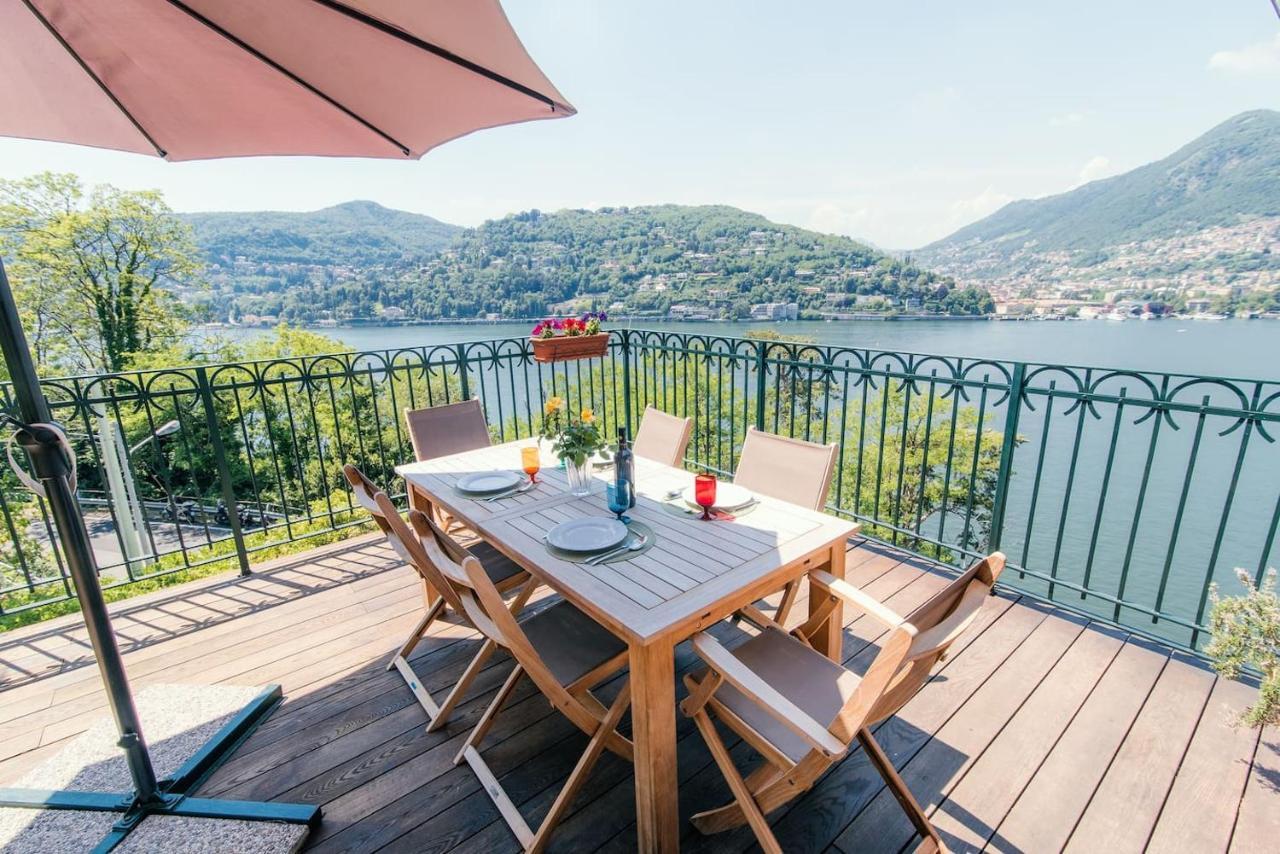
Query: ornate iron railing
{"x":1122,"y":494}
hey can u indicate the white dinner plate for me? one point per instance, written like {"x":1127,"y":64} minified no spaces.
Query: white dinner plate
{"x":729,"y":496}
{"x":593,"y":534}
{"x":486,"y":482}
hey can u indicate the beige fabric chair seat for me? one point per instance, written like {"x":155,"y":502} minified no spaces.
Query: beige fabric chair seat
{"x":570,"y":643}
{"x":810,"y":680}
{"x":497,"y":566}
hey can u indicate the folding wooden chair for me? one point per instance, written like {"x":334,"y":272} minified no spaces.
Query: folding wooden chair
{"x":801,"y":711}
{"x":565,"y":653}
{"x":450,"y":428}
{"x":437,"y":595}
{"x":790,"y":470}
{"x":663,"y":438}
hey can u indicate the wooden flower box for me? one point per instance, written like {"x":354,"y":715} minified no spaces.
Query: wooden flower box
{"x":566,"y":348}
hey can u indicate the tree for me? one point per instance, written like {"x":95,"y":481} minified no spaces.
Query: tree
{"x":93,"y":270}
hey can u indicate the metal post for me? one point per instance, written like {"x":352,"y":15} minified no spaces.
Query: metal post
{"x":626,"y":379}
{"x":224,"y":470}
{"x":52,"y":468}
{"x":124,"y":504}
{"x":131,"y":491}
{"x":461,"y":351}
{"x":762,"y":379}
{"x":1013,"y":409}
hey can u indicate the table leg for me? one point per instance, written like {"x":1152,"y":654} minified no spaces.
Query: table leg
{"x":830,"y":640}
{"x":653,"y":725}
{"x":419,"y":501}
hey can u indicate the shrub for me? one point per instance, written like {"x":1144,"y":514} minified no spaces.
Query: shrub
{"x":1246,"y":635}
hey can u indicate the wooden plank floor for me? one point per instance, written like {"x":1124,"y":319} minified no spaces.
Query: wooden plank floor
{"x":1042,"y":731}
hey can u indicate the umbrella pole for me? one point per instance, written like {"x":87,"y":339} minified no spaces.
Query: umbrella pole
{"x":51,"y":467}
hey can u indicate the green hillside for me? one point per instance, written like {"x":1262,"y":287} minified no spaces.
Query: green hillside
{"x":1228,"y":175}
{"x":351,"y":233}
{"x":719,"y":260}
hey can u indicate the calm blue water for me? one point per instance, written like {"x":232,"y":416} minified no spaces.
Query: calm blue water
{"x":1240,"y":348}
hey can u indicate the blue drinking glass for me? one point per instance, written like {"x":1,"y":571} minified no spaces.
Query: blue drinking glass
{"x":619,"y":497}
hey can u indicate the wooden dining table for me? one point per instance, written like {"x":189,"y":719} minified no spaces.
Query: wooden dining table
{"x":695,"y":574}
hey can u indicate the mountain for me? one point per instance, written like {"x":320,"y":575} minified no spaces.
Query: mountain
{"x":715,"y":261}
{"x":1212,"y":207}
{"x":350,"y":233}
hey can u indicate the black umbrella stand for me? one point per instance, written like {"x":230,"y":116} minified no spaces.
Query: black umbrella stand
{"x":51,"y":465}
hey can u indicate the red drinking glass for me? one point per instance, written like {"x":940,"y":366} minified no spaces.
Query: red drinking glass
{"x":704,"y":492}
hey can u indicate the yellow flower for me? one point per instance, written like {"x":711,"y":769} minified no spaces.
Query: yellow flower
{"x":554,"y":404}
{"x":588,"y":416}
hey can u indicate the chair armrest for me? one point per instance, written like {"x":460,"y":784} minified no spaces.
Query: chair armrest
{"x":724,"y":662}
{"x":757,"y":618}
{"x":944,"y":633}
{"x":856,"y":597}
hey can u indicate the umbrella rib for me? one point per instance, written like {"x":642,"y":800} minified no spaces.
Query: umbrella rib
{"x":84,"y":66}
{"x":271,"y":63}
{"x":447,"y":55}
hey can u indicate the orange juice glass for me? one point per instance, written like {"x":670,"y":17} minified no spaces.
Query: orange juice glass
{"x":531,"y":459}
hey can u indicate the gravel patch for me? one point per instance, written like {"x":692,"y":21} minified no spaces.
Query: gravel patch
{"x":165,"y":834}
{"x":177,"y":720}
{"x":25,"y":831}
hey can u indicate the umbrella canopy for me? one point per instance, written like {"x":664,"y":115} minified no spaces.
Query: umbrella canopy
{"x":195,"y":79}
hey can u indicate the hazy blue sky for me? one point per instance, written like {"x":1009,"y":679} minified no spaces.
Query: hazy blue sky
{"x":894,"y":122}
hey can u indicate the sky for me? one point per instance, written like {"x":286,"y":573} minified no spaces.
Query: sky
{"x":895,"y":123}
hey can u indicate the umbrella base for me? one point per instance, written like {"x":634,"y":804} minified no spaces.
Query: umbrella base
{"x":174,"y":793}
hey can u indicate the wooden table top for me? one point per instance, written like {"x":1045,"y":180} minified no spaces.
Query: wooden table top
{"x":684,"y":582}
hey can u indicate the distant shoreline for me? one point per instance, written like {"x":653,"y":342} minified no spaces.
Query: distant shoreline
{"x":381,"y":323}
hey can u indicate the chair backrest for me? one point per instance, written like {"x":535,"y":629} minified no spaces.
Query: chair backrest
{"x":364,"y":490}
{"x":663,"y":438}
{"x":399,"y":536}
{"x":787,"y":469}
{"x":409,"y":547}
{"x":451,"y":428}
{"x":913,"y":648}
{"x":484,"y":607}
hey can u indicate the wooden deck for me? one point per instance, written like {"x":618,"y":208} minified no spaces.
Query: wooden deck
{"x":1041,"y":732}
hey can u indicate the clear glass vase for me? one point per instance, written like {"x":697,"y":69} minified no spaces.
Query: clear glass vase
{"x":579,"y":477}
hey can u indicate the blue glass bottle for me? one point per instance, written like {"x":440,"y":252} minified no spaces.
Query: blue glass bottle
{"x":624,"y":466}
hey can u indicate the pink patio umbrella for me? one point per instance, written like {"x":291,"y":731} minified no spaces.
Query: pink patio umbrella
{"x":193,"y":79}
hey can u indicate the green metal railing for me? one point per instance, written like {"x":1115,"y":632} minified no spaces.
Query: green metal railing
{"x":1122,"y":494}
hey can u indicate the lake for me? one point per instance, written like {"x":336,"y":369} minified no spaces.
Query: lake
{"x":1237,"y":348}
